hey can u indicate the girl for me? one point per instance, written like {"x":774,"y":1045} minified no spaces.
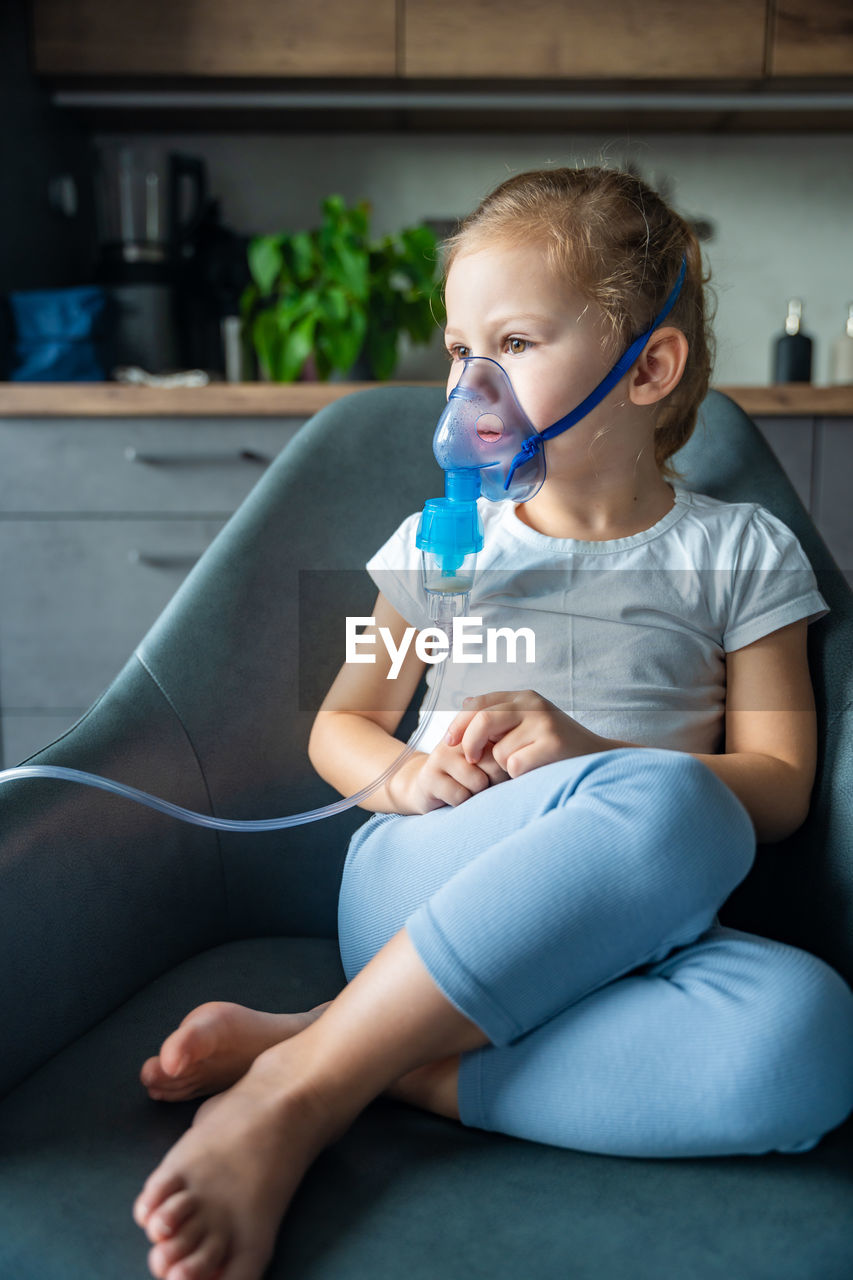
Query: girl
{"x":528,"y":922}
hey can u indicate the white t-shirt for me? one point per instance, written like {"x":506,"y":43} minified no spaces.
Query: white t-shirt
{"x":631,"y":634}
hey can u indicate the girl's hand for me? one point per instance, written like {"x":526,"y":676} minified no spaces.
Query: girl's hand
{"x":444,"y":777}
{"x":523,"y":730}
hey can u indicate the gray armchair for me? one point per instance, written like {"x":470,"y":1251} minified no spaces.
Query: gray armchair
{"x":115,"y":921}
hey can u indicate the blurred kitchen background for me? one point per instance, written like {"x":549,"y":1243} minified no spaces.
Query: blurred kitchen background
{"x":765,"y":165}
{"x":142,"y":146}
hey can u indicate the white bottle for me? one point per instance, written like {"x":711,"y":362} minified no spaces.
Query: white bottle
{"x":841,"y":354}
{"x":232,"y":344}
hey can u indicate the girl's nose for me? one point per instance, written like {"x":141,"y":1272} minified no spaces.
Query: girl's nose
{"x":482,"y":377}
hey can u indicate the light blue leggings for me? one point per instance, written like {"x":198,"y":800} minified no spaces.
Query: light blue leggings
{"x":571,"y":914}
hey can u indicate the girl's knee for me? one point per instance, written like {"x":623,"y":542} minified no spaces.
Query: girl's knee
{"x":672,"y":776}
{"x":819,"y":1035}
{"x":680,"y":806}
{"x":795,"y":1074}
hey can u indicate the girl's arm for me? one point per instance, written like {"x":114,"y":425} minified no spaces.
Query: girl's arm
{"x":352,"y":738}
{"x":770,"y":732}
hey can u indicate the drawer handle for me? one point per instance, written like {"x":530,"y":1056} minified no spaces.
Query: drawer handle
{"x":225,"y":457}
{"x":165,"y":559}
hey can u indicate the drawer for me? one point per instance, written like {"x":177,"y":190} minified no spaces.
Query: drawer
{"x":173,"y":466}
{"x":77,"y":596}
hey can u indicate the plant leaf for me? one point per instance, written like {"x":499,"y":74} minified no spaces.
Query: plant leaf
{"x":265,"y":261}
{"x":302,"y":251}
{"x":339,"y":343}
{"x":248,"y":301}
{"x":266,"y":337}
{"x":382,"y":351}
{"x":295,"y":349}
{"x":352,"y":263}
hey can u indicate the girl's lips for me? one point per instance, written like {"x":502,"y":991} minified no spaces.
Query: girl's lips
{"x":489,"y":428}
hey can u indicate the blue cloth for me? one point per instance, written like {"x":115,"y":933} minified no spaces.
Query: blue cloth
{"x":59,"y":335}
{"x":571,"y":914}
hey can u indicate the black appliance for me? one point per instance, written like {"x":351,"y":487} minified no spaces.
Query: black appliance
{"x":149,"y":206}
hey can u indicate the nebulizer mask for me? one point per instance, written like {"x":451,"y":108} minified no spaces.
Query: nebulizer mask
{"x":479,"y":443}
{"x":487,"y":447}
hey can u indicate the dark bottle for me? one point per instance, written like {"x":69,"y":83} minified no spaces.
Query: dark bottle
{"x":792,"y":350}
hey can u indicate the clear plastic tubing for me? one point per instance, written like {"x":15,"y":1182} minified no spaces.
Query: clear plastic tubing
{"x":59,"y":773}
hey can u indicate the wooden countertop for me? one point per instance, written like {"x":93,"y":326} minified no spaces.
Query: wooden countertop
{"x":301,"y":399}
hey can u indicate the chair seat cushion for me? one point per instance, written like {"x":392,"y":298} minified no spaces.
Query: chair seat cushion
{"x":403,"y":1194}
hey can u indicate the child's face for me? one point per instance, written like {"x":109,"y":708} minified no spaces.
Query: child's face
{"x":503,"y":302}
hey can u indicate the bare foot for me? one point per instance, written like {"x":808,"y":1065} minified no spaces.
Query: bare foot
{"x":213,"y":1206}
{"x":214,"y":1046}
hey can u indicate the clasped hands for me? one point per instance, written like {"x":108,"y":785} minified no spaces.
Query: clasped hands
{"x":496,"y":736}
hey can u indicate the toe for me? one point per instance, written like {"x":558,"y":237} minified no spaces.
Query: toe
{"x":204,"y":1262}
{"x":189,"y":1085}
{"x":158,"y":1188}
{"x":174,"y":1211}
{"x":152,"y":1074}
{"x":186,"y":1240}
{"x":196,"y":1038}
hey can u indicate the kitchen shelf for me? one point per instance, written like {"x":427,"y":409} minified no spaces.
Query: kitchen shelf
{"x":301,"y":399}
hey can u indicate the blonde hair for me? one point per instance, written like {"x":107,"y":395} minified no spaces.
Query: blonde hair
{"x":613,"y":239}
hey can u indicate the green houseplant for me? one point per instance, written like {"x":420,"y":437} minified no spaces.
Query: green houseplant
{"x":338,"y":298}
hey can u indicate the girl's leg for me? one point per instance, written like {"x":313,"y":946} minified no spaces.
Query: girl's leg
{"x":539,"y":891}
{"x":610,"y":866}
{"x":212,"y":1207}
{"x":733,"y":1045}
{"x":576,"y":873}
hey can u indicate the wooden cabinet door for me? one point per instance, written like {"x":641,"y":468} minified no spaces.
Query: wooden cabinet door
{"x":214,"y":37}
{"x":812,"y":37}
{"x":556,"y":39}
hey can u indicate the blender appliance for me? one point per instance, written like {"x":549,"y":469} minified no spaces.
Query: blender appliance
{"x":149,"y":207}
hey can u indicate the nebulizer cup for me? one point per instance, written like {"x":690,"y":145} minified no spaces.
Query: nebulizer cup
{"x":449,"y":536}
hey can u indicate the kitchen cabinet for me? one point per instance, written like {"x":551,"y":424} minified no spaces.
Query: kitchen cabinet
{"x":550,"y":39}
{"x":792,"y":440}
{"x":217,"y":38}
{"x":751,"y":41}
{"x":833,"y":467}
{"x":100,"y":522}
{"x":811,"y":38}
{"x":817,"y":454}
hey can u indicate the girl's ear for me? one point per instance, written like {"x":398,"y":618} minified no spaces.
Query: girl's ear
{"x":658,"y":370}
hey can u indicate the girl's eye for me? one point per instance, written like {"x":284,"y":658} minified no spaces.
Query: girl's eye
{"x":517,"y":346}
{"x":459,"y":353}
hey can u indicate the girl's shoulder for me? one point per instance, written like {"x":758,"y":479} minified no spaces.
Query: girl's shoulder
{"x":737,"y":532}
{"x":704,"y":531}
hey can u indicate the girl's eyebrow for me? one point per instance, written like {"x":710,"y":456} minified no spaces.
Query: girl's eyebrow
{"x":519,"y":317}
{"x":510,"y":320}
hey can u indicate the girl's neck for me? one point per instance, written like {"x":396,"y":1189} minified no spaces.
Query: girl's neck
{"x":598,"y":512}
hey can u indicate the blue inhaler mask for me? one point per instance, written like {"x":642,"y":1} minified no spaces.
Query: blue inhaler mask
{"x":478,"y":436}
{"x":484,"y":429}
{"x":487,"y":446}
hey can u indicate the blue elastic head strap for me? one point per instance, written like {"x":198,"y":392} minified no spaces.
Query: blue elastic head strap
{"x":534,"y":443}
